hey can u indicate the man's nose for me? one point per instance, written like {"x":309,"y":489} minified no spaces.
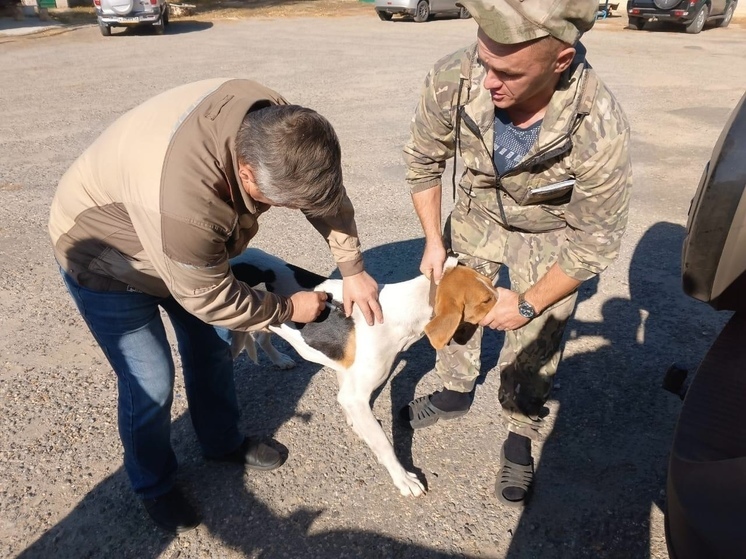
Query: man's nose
{"x":491,"y":81}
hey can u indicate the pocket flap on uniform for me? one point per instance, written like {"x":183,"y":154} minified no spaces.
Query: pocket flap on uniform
{"x":553,"y":191}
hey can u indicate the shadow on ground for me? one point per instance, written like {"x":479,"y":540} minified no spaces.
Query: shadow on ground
{"x":668,"y":27}
{"x":178,"y":27}
{"x":604,"y":465}
{"x":109,"y":521}
{"x":602,"y":468}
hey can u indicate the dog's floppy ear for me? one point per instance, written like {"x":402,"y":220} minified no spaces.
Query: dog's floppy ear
{"x":441,"y":329}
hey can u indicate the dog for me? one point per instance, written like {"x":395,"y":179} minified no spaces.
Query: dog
{"x":362,"y":355}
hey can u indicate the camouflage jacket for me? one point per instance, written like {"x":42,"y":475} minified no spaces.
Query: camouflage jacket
{"x":577,"y":176}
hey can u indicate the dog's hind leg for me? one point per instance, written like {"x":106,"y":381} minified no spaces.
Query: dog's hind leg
{"x":354,"y":397}
{"x":279,"y":359}
{"x":241,"y":341}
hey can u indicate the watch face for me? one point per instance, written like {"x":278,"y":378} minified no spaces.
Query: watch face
{"x":526,"y":310}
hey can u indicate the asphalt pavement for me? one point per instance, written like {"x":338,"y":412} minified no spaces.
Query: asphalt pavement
{"x":600,"y":475}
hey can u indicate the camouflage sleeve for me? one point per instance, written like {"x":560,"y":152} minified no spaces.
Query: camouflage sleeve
{"x":597,"y":213}
{"x":431,"y":141}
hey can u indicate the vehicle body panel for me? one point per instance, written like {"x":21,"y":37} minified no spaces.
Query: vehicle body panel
{"x":684,"y":12}
{"x":131,"y":12}
{"x":408,"y":7}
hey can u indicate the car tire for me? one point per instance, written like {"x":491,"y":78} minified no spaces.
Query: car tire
{"x":165,"y":18}
{"x":384,"y":16}
{"x":159,"y":27}
{"x":728,"y":15}
{"x":636,"y":23}
{"x":105,"y":29}
{"x":422,"y":11}
{"x":699,"y":21}
{"x":463,"y":13}
{"x":666,"y":4}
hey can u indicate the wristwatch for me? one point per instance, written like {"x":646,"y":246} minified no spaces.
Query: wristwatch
{"x":525,"y":308}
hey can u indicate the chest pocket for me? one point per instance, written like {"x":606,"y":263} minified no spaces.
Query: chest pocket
{"x":558,"y":192}
{"x":548,"y":183}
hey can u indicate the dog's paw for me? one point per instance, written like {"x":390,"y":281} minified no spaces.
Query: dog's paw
{"x":409,"y":485}
{"x":282,"y":361}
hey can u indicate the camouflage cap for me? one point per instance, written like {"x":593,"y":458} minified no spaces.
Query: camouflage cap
{"x":516,"y":21}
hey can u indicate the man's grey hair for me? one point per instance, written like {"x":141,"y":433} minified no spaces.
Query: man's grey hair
{"x":295,"y":156}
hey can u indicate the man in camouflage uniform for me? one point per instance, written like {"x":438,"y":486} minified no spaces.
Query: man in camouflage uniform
{"x":544,"y":191}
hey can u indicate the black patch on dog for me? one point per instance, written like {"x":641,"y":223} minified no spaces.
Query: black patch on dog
{"x":251,"y":275}
{"x":329,"y":333}
{"x":306,"y":279}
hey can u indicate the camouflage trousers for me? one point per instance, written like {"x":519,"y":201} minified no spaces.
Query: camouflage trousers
{"x":530,"y":355}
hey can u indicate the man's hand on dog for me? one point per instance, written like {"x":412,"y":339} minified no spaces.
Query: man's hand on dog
{"x":307,"y":305}
{"x":504,"y":315}
{"x":362,"y":290}
{"x":433,"y":260}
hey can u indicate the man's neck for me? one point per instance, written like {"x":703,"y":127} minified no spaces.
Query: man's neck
{"x":524,"y":119}
{"x":532,"y":110}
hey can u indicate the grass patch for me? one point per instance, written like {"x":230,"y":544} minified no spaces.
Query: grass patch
{"x":269,"y":8}
{"x":74,"y":16}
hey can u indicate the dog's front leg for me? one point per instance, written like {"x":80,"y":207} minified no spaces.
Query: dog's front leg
{"x":354,"y":397}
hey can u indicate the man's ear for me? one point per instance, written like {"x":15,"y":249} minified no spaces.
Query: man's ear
{"x":246,"y":173}
{"x":441,"y":329}
{"x":564,"y":59}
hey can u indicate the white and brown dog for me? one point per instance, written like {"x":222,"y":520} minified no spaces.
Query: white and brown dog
{"x":363,"y":355}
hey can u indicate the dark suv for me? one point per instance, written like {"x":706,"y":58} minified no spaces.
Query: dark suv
{"x":692,"y":14}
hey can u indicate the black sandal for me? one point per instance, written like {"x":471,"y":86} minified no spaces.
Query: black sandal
{"x":423,"y":413}
{"x":513,"y":475}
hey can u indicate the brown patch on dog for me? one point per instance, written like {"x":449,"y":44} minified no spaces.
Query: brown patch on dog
{"x":349,"y":353}
{"x":463,"y":295}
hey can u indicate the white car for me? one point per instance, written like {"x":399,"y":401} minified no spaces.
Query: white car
{"x":420,"y":10}
{"x":128,"y":13}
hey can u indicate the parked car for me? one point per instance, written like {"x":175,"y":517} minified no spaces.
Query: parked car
{"x":705,"y":512}
{"x":692,"y":14}
{"x":420,"y":10}
{"x":128,"y":13}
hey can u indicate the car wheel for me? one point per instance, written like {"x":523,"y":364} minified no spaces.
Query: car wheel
{"x":728,"y":15}
{"x":636,"y":23}
{"x":105,"y":29}
{"x":159,"y":26}
{"x":422,"y":11}
{"x":666,"y":4}
{"x":384,"y":16}
{"x":463,"y":13}
{"x":699,"y":22}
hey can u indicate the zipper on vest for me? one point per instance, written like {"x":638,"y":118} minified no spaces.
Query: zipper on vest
{"x":555,"y":149}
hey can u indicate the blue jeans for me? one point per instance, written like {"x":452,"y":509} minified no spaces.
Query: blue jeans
{"x":129,"y":329}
